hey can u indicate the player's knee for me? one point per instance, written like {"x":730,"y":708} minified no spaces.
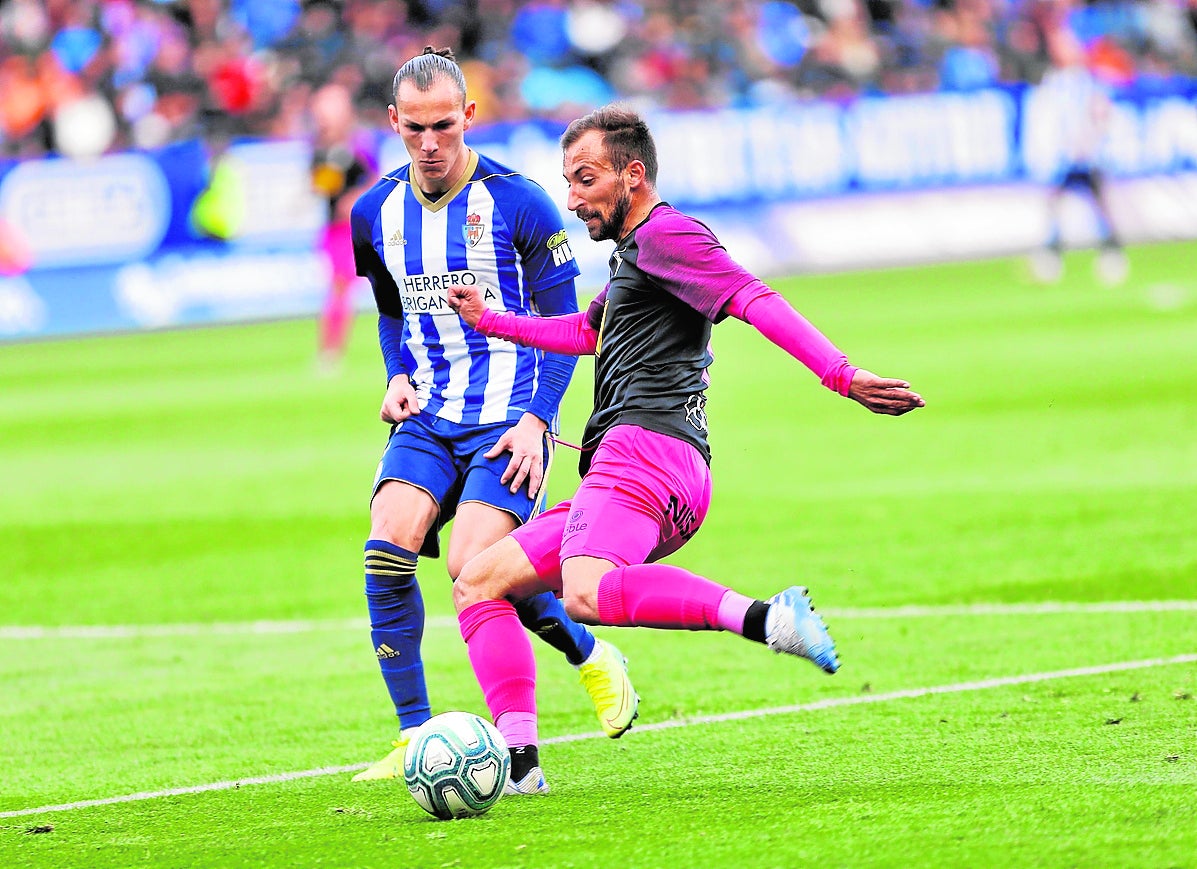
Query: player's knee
{"x":474,"y":583}
{"x":401,"y":517}
{"x":581,"y":603}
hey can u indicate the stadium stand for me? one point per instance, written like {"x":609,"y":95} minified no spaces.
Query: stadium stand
{"x":94,"y":76}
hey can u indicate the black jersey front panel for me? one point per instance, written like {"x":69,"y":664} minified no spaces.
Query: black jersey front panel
{"x":651,"y":361}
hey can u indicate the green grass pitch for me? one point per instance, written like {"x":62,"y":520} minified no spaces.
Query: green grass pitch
{"x":181,"y":601}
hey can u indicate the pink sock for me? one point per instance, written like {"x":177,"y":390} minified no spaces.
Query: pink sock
{"x":659,"y":596}
{"x":732,"y":610}
{"x":518,"y":728}
{"x":501,"y":655}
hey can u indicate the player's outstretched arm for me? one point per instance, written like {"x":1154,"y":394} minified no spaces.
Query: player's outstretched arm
{"x":570,"y":334}
{"x":883,"y":394}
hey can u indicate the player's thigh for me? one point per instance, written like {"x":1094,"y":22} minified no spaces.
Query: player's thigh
{"x":487,"y":509}
{"x":414,"y":477}
{"x":482,"y":476}
{"x":540,"y":541}
{"x":644,"y":496}
{"x":476,"y":527}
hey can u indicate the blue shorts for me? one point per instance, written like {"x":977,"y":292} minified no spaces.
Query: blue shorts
{"x":447,"y":460}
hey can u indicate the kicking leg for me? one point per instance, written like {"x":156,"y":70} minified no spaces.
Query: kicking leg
{"x":645,"y":495}
{"x":665,"y":596}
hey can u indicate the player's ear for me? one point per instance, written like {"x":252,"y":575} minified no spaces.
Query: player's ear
{"x":635,"y":174}
{"x":470,"y":108}
{"x":393,"y":115}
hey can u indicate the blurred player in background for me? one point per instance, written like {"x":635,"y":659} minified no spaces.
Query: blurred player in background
{"x":342,"y":170}
{"x":470,"y":416}
{"x":1081,"y":106}
{"x":646,"y":481}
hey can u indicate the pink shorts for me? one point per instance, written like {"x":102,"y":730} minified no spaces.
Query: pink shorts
{"x":644,"y":496}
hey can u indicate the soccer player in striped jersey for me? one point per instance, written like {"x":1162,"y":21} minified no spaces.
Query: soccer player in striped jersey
{"x":1075,"y":107}
{"x":646,"y":479}
{"x":470,"y":415}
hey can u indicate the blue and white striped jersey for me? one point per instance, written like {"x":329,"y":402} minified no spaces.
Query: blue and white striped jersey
{"x":495,"y":229}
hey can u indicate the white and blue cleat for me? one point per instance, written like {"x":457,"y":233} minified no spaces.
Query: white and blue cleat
{"x":793,"y":627}
{"x":532,"y":783}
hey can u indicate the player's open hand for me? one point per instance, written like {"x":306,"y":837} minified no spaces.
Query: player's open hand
{"x":883,"y":394}
{"x":467,"y":302}
{"x":400,"y":401}
{"x":525,"y":442}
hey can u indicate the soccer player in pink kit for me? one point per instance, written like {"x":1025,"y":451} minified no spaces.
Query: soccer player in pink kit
{"x":646,"y":481}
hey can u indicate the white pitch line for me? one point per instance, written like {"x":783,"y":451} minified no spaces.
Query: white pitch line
{"x":829,"y":703}
{"x":305,"y":626}
{"x":861,"y":699}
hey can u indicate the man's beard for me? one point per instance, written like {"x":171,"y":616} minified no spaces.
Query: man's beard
{"x":612,"y":227}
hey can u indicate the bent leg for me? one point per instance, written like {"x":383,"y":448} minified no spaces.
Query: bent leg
{"x":480,"y":524}
{"x":499,"y":649}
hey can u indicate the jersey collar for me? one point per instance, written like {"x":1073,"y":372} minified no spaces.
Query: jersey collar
{"x":448,"y":195}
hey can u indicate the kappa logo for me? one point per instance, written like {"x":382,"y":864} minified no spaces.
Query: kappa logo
{"x":473,"y":229}
{"x":696,"y":411}
{"x":396,"y":239}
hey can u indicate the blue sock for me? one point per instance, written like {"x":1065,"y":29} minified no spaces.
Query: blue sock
{"x":544,"y":615}
{"x":397,"y":627}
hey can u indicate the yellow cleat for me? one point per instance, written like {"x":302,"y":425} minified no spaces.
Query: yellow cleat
{"x":390,"y":766}
{"x":605,"y":677}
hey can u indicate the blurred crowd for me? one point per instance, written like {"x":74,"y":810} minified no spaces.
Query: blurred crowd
{"x":83,"y":77}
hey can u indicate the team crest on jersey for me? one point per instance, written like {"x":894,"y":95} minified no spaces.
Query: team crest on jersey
{"x":473,"y":229}
{"x":615,"y":262}
{"x":696,"y":411}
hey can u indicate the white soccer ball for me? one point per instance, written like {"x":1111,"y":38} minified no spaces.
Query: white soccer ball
{"x":456,"y":765}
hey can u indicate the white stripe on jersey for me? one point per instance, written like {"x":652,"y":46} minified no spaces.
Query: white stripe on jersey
{"x":394,"y":238}
{"x":434,"y":235}
{"x":501,"y":376}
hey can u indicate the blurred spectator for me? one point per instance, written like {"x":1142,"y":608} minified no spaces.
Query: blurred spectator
{"x":162,"y":66}
{"x":970,"y":60}
{"x":341,"y":171}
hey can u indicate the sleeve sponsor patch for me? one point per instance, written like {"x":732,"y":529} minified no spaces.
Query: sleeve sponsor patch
{"x":558,"y":244}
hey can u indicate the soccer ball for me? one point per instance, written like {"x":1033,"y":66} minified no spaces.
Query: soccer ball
{"x":456,"y":765}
